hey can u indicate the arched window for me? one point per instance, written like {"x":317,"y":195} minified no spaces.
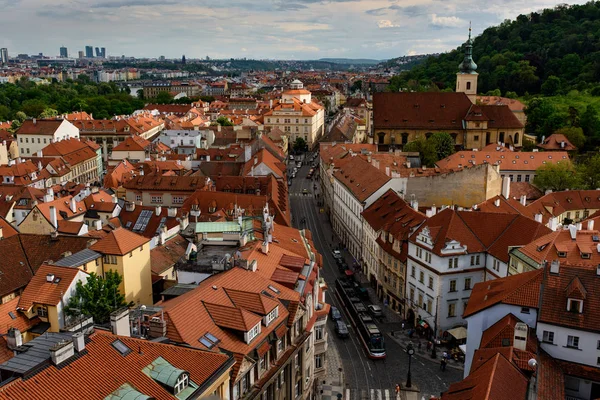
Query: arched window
{"x":468,"y":85}
{"x":501,"y":137}
{"x":182,"y":383}
{"x":516,"y":141}
{"x":381,"y":137}
{"x":404,"y":138}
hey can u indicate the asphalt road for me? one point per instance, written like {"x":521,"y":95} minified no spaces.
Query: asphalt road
{"x":361,"y":373}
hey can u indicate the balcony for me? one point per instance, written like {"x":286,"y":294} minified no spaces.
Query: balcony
{"x":321,"y":345}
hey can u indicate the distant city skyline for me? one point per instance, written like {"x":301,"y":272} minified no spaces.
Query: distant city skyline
{"x":310,"y":29}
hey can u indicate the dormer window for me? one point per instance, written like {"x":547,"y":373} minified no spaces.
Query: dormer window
{"x":182,"y":383}
{"x":586,"y":255}
{"x":562,"y":254}
{"x":575,"y":306}
{"x":272,"y":316}
{"x":252,"y":333}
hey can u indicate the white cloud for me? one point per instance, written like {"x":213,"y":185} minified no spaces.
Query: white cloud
{"x":446,"y":22}
{"x":386,"y":23}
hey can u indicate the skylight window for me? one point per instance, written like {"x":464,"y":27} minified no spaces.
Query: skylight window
{"x":274,"y":289}
{"x":142,"y":221}
{"x":12,"y":315}
{"x":121,"y":347}
{"x":209,"y":340}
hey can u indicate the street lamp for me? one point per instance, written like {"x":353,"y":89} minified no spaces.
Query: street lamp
{"x":410,"y":351}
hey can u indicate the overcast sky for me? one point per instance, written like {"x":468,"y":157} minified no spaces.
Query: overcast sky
{"x":283,"y":29}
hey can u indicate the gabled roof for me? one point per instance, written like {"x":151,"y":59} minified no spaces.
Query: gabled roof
{"x":496,"y":379}
{"x":119,"y":242}
{"x":39,"y":127}
{"x":508,"y":161}
{"x":557,"y":141}
{"x":40,"y":291}
{"x":361,"y":178}
{"x":520,"y":290}
{"x":109,"y":370}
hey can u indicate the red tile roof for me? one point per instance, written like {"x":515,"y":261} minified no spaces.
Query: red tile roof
{"x":546,"y":247}
{"x":161,"y":183}
{"x":21,"y":322}
{"x":555,"y":142}
{"x":508,"y":161}
{"x":496,"y":379}
{"x":361,"y":178}
{"x":574,"y":281}
{"x":40,"y":127}
{"x":520,"y":290}
{"x":6,"y":228}
{"x":164,"y":257}
{"x":105,"y":370}
{"x":40,"y":291}
{"x":119,"y":242}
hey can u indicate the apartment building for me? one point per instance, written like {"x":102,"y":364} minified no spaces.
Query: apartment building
{"x":451,"y":252}
{"x":71,"y":160}
{"x":35,"y":134}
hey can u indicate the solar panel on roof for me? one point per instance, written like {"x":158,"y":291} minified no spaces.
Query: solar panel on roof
{"x":142,"y":221}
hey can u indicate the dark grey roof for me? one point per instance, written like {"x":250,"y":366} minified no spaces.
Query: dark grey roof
{"x":179,"y":289}
{"x":36,"y":355}
{"x":79,"y":258}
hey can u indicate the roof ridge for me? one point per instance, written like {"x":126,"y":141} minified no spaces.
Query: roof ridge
{"x":470,"y":230}
{"x":505,"y":230}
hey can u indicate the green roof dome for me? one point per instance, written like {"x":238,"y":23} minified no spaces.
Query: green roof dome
{"x":468,"y":66}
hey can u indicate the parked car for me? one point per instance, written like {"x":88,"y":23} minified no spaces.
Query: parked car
{"x":337,"y":254}
{"x":375,"y":310}
{"x":291,"y":157}
{"x":342,"y":267}
{"x":299,"y":164}
{"x":341,"y":328}
{"x":305,"y":192}
{"x":335,"y":313}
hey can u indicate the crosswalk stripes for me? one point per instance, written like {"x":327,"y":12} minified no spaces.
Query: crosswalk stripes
{"x":372,"y":394}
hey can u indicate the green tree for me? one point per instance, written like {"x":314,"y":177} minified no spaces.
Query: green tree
{"x":443,"y":144}
{"x":356,"y":86}
{"x":557,"y":177}
{"x":48,"y":113}
{"x":98,"y":297}
{"x":164,"y":98}
{"x":589,"y":172}
{"x":299,"y":144}
{"x":551,"y":86}
{"x":140,"y":94}
{"x":224,"y":121}
{"x":590,"y":121}
{"x":574,"y":134}
{"x":426,"y":150}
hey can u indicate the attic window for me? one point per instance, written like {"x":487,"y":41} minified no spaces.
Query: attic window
{"x":121,"y":347}
{"x":274,"y":289}
{"x":575,"y":306}
{"x":586,"y":255}
{"x":209,"y":340}
{"x":562,"y":254}
{"x":12,"y":315}
{"x":542,"y":247}
{"x":505,"y":342}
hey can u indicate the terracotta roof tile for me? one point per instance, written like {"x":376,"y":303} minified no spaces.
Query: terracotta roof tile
{"x":508,"y":161}
{"x":20,"y":320}
{"x":119,"y":242}
{"x":40,"y":291}
{"x":361,"y":178}
{"x":40,"y":127}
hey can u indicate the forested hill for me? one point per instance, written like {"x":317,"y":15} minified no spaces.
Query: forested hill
{"x":521,"y":55}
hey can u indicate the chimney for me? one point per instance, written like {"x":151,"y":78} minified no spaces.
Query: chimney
{"x":497,"y":202}
{"x":255,"y":160}
{"x":553,"y":223}
{"x":158,"y":210}
{"x":590,"y":225}
{"x":555,"y":267}
{"x":98,"y":225}
{"x":523,"y":200}
{"x":158,"y":328}
{"x":61,"y":352}
{"x":579,"y":225}
{"x":573,"y":231}
{"x":50,"y":278}
{"x":34,"y":121}
{"x":538,"y":218}
{"x":49,"y":196}
{"x":1,"y":234}
{"x":14,"y":338}
{"x":598,"y":270}
{"x":53,"y":219}
{"x":428,"y":213}
{"x":130,"y":206}
{"x":407,"y":163}
{"x":520,"y":337}
{"x":79,"y":342}
{"x":506,"y":187}
{"x":73,"y":205}
{"x":415,"y":204}
{"x":265,"y":247}
{"x":172,"y":212}
{"x":562,"y":144}
{"x":119,"y":322}
{"x":387,"y":171}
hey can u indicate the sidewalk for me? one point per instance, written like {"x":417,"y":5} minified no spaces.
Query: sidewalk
{"x":333,"y":378}
{"x":402,"y":339}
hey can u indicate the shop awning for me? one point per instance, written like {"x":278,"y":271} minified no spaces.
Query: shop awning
{"x":459,"y":333}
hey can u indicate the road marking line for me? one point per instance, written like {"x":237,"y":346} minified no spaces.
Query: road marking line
{"x":378,"y":393}
{"x":387,"y":394}
{"x":439,"y":378}
{"x":347,"y":394}
{"x":372,"y":394}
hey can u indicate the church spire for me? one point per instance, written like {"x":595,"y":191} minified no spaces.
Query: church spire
{"x":468,"y":66}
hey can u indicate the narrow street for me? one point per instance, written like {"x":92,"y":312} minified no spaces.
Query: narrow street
{"x":366,"y":378}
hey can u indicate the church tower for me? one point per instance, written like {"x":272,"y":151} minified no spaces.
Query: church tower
{"x":466,"y":77}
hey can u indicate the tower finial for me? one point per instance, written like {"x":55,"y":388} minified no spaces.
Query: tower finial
{"x":469,"y":30}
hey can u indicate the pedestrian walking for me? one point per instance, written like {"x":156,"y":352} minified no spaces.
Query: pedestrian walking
{"x":444,"y":355}
{"x":402,"y":325}
{"x":429,"y":344}
{"x":397,"y":389}
{"x":443,"y":364}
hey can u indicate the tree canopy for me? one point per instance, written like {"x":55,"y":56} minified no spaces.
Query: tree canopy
{"x":551,"y":51}
{"x":438,"y":146}
{"x":557,"y":177}
{"x":98,"y":297}
{"x":300,"y":144}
